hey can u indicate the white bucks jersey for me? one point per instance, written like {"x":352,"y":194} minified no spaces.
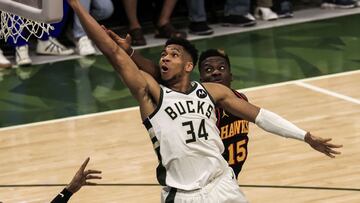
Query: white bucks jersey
{"x":186,"y":140}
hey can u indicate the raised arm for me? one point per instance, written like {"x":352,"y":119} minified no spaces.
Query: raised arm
{"x":143,"y":87}
{"x":267,"y":120}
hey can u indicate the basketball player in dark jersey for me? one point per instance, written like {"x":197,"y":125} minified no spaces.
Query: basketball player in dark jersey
{"x":214,"y":66}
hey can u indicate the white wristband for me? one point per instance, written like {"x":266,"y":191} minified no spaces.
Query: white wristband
{"x":273,"y":123}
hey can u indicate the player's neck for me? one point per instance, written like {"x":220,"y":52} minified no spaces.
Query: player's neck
{"x":184,"y":86}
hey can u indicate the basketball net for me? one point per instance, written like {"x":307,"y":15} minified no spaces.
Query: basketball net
{"x":15,"y":26}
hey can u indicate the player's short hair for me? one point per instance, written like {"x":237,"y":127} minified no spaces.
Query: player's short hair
{"x":188,"y":47}
{"x":213,"y":52}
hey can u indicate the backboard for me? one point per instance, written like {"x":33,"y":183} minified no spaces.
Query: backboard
{"x":24,"y":18}
{"x":45,"y":11}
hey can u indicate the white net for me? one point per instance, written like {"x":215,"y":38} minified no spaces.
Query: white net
{"x":15,"y":27}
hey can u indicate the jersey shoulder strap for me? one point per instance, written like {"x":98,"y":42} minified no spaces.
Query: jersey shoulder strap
{"x":240,"y":95}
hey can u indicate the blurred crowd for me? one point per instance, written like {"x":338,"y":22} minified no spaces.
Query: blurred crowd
{"x":236,"y":13}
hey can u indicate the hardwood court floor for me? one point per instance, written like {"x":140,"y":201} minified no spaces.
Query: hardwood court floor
{"x":51,"y":152}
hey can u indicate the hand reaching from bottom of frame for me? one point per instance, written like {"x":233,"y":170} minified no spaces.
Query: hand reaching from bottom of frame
{"x":82,"y":176}
{"x":322,"y":145}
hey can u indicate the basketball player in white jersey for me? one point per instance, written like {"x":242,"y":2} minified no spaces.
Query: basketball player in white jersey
{"x":180,"y":118}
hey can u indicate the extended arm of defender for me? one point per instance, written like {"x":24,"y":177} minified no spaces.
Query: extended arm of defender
{"x":273,"y":123}
{"x":267,"y":120}
{"x":119,"y":59}
{"x":143,"y":63}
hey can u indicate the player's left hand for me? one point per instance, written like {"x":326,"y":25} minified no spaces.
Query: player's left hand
{"x":124,"y":43}
{"x":81,"y":177}
{"x":322,"y":145}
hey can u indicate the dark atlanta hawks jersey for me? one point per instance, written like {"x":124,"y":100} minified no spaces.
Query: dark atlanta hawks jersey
{"x":186,"y":139}
{"x":234,"y":134}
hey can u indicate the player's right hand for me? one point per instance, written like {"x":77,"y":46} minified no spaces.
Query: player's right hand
{"x":322,"y":145}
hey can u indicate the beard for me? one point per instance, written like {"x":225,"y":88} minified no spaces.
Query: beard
{"x":173,"y":80}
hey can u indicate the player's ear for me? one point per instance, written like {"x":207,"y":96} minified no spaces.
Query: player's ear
{"x":189,"y":66}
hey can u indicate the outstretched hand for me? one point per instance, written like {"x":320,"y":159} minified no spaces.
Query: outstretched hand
{"x":81,"y":177}
{"x":322,"y":145}
{"x":124,"y":43}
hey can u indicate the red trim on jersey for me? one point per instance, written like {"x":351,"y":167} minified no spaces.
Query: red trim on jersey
{"x":240,"y":95}
{"x":218,"y":114}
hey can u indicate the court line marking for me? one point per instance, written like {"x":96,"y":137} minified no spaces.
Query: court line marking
{"x":69,"y":118}
{"x":328,"y":92}
{"x":155,"y":184}
{"x":292,"y":82}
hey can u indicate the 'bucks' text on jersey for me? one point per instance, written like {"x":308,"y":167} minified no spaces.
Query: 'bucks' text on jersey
{"x":186,"y":139}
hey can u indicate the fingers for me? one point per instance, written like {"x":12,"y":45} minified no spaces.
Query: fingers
{"x":319,"y":139}
{"x":93,"y":171}
{"x":325,"y":151}
{"x":88,"y":176}
{"x":330,"y":145}
{"x":333,"y":151}
{"x":330,"y":152}
{"x":116,"y":37}
{"x":113,"y":35}
{"x":325,"y":140}
{"x":93,"y":177}
{"x":83,"y":166}
{"x":90,"y":171}
{"x":322,"y":145}
{"x":128,"y":38}
{"x":110,"y":33}
{"x":329,"y":155}
{"x":334,"y":145}
{"x":105,"y":29}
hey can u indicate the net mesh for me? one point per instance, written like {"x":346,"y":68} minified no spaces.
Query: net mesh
{"x":18,"y":27}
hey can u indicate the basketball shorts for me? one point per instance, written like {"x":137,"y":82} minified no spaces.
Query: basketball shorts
{"x":223,"y":189}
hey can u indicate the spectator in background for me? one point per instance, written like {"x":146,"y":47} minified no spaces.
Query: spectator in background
{"x":283,"y":8}
{"x":164,"y":28}
{"x":236,"y":13}
{"x":344,"y":4}
{"x":46,"y":45}
{"x":79,"y":180}
{"x":4,"y":62}
{"x":198,"y":19}
{"x":100,"y":10}
{"x":263,"y":10}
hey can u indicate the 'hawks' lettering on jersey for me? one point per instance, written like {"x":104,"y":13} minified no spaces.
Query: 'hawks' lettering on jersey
{"x":234,"y":134}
